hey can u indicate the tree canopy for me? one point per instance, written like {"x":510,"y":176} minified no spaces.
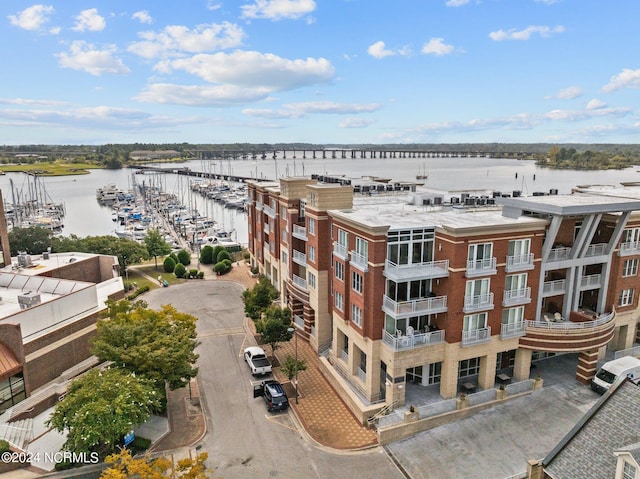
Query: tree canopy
{"x":259,"y":298}
{"x":102,"y":406}
{"x":124,"y":466}
{"x":156,"y":245}
{"x":159,"y":345}
{"x":274,"y":326}
{"x":32,"y":240}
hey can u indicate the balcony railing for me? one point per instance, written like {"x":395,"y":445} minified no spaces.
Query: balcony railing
{"x":437,"y":304}
{"x":481,"y":267}
{"x":559,"y":254}
{"x":299,"y":232}
{"x":553,"y":288}
{"x":592,"y":281}
{"x":629,"y":248}
{"x":512,"y":330}
{"x":300,"y":282}
{"x":402,"y":343}
{"x":599,"y":321}
{"x":359,"y":261}
{"x":259,"y":206}
{"x":298,"y":320}
{"x":266,"y":228}
{"x":340,"y":251}
{"x":362,"y":375}
{"x":269,"y":211}
{"x":520,"y":262}
{"x":426,"y":270}
{"x":476,"y":336}
{"x":478,"y":302}
{"x":596,"y":249}
{"x":299,"y":258}
{"x":513,"y":297}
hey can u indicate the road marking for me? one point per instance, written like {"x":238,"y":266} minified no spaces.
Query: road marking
{"x":275,"y":419}
{"x":222,"y":332}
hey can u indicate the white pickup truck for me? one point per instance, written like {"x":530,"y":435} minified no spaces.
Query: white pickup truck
{"x":257,"y":361}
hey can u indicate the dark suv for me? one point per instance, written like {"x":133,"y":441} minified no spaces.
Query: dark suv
{"x":273,"y":394}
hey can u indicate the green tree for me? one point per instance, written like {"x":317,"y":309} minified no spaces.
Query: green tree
{"x":159,"y":345}
{"x":274,"y":326}
{"x":169,"y":264}
{"x":32,"y":240}
{"x":124,"y":466}
{"x":222,"y":255}
{"x":101,"y":407}
{"x":292,"y":366}
{"x":122,"y":248}
{"x":259,"y":298}
{"x":156,"y":245}
{"x":206,"y":254}
{"x":184,"y":257}
{"x":179,"y":270}
{"x":222,"y":267}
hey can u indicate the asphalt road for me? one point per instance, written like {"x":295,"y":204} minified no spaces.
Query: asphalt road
{"x":243,"y":439}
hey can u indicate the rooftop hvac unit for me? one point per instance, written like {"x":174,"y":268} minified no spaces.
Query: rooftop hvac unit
{"x":45,"y":255}
{"x":455,"y":200}
{"x":437,"y":200}
{"x":553,"y":191}
{"x":24,"y":260}
{"x":517,"y":193}
{"x":426,"y":201}
{"x":28,"y":299}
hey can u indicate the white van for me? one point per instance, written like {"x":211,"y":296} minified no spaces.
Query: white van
{"x":627,"y":366}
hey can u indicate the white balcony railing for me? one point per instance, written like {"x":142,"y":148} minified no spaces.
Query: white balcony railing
{"x":520,"y":262}
{"x":359,"y":261}
{"x":512,"y":330}
{"x":300,"y":282}
{"x":269,"y":211}
{"x":559,"y":254}
{"x":259,"y":206}
{"x":481,"y":267}
{"x":516,"y":296}
{"x":404,"y":342}
{"x":266,"y":228}
{"x":437,"y":304}
{"x":629,"y":248}
{"x":340,"y":251}
{"x":553,"y":288}
{"x":476,"y":336}
{"x":298,"y":320}
{"x":299,"y":232}
{"x":478,"y":302}
{"x":596,"y":249}
{"x":591,"y":281}
{"x":426,"y":270}
{"x":599,"y":321}
{"x":299,"y":258}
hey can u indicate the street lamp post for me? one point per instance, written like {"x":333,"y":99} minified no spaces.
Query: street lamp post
{"x":294,"y":332}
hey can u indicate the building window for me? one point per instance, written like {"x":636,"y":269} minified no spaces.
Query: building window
{"x":519,"y":247}
{"x":356,"y":315}
{"x":283,"y":211}
{"x":362,"y":248}
{"x":468,"y":367}
{"x":515,"y":282}
{"x":285,"y":257}
{"x":630,"y":267}
{"x":410,"y":246}
{"x":480,"y":253}
{"x":628,"y":471}
{"x":343,"y":238}
{"x":339,"y":270}
{"x":339,"y":301}
{"x":311,"y":253}
{"x":631,"y":235}
{"x":356,"y":282}
{"x":626,"y":297}
{"x":301,"y":210}
{"x":311,"y":226}
{"x":311,"y":278}
{"x":473,"y":322}
{"x":513,"y":315}
{"x":312,"y":199}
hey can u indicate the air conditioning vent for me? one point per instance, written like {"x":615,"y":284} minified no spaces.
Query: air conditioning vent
{"x":28,"y":299}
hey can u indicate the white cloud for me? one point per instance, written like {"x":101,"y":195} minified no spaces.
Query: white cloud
{"x":300,"y":110}
{"x":437,"y":47}
{"x":86,"y":57}
{"x":456,"y":3}
{"x":378,"y":50}
{"x":142,"y":16}
{"x":525,"y":34}
{"x":213,"y":5}
{"x":355,"y":123}
{"x":254,"y":69}
{"x":201,"y":95}
{"x":89,"y":20}
{"x":596,"y":104}
{"x":568,"y":93}
{"x":26,"y":101}
{"x":627,"y":78}
{"x":547,"y":2}
{"x":175,"y":39}
{"x":278,"y":9}
{"x":55,"y":30}
{"x":32,"y":18}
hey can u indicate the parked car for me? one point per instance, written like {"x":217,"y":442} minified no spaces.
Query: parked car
{"x":257,"y":361}
{"x":273,"y":394}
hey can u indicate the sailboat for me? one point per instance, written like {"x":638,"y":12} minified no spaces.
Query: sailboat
{"x":422,"y":173}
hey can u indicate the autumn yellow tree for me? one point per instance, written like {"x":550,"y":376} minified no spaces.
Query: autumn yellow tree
{"x":125,"y":466}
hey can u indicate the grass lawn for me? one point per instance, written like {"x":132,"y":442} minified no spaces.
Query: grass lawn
{"x":52,"y":168}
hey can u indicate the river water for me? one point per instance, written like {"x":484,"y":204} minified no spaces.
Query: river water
{"x":86,"y":217}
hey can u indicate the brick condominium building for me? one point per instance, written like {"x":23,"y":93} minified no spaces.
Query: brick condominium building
{"x":395,"y":284}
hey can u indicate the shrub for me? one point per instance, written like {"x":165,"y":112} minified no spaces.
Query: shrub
{"x":223,"y":255}
{"x":139,"y":444}
{"x":216,"y":251}
{"x":247,"y":257}
{"x":255,"y":270}
{"x":193,"y":273}
{"x":222,"y":267}
{"x":4,"y":446}
{"x":184,"y":257}
{"x":169,"y":264}
{"x":138,"y":292}
{"x":180,"y":270}
{"x":200,"y":274}
{"x":174,"y":257}
{"x":206,"y":255}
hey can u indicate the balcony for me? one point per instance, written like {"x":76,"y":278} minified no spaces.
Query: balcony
{"x":269,"y":211}
{"x":559,"y":254}
{"x":512,"y":330}
{"x":399,"y":309}
{"x":592,"y":281}
{"x":629,"y":248}
{"x":266,"y":228}
{"x":298,"y":321}
{"x":299,"y":232}
{"x":406,"y":272}
{"x":476,"y":336}
{"x":340,"y":251}
{"x":299,"y":282}
{"x":481,"y":267}
{"x":299,"y":258}
{"x":479,"y":302}
{"x":403,"y":343}
{"x":516,"y":297}
{"x":259,"y":205}
{"x":554,"y":288}
{"x":520,"y":262}
{"x":597,"y":249}
{"x":359,"y":261}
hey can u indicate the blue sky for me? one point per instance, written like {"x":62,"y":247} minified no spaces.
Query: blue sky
{"x":320,"y":71}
